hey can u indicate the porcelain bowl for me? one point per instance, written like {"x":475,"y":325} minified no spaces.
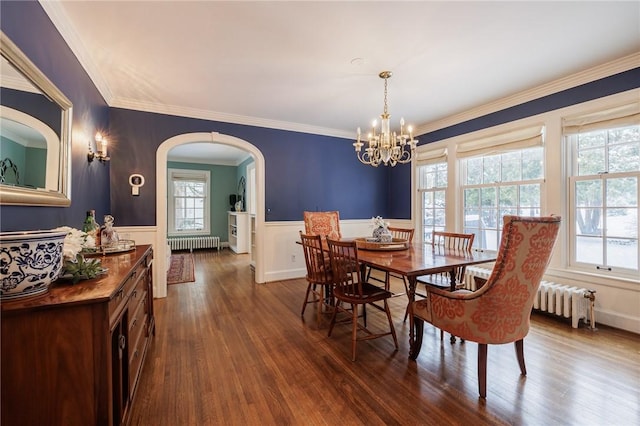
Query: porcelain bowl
{"x":29,"y":262}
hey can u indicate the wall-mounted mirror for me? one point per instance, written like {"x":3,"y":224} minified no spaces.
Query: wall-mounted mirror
{"x":35,"y":133}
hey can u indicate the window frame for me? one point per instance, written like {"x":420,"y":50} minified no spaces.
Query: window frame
{"x":605,"y":269}
{"x":199,"y":175}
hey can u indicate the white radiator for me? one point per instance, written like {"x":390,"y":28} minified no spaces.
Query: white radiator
{"x":563,"y":300}
{"x":193,"y":243}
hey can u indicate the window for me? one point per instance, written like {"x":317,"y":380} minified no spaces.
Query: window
{"x":188,"y":201}
{"x":501,"y":175}
{"x":432,"y":188}
{"x":432,"y":185}
{"x":604,"y":190}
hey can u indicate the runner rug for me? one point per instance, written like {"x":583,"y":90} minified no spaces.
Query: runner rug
{"x":181,"y":269}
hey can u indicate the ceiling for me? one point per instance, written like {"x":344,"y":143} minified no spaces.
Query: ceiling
{"x":313,"y":66}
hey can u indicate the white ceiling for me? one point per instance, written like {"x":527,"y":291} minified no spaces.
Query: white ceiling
{"x":313,"y":66}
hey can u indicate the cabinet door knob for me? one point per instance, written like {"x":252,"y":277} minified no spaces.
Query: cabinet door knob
{"x":122,"y":342}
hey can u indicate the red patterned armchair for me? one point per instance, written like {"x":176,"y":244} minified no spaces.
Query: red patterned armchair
{"x":500,"y":311}
{"x":325,"y":224}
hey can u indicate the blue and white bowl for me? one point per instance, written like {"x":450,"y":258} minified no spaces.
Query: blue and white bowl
{"x":29,"y":262}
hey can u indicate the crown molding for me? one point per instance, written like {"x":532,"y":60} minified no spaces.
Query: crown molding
{"x":227,"y":118}
{"x":617,"y":66}
{"x":62,"y":22}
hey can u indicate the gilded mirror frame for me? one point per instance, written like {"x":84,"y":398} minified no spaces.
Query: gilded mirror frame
{"x":16,"y":195}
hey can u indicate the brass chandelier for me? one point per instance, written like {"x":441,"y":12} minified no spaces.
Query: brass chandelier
{"x":385,"y":146}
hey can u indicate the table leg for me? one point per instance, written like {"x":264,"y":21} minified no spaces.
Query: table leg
{"x":411,"y":295}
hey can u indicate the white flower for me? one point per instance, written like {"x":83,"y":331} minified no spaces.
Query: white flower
{"x":75,"y":241}
{"x":378,"y":222}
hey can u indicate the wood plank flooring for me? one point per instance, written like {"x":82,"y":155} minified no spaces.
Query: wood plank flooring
{"x":228,"y":351}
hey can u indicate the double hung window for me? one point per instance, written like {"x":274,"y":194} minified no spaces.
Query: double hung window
{"x":432,"y":187}
{"x":188,"y":202}
{"x":604,"y":190}
{"x":501,"y":175}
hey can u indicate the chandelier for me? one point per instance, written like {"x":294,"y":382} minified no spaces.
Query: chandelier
{"x":385,"y":146}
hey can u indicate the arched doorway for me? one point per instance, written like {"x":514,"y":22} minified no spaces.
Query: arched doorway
{"x":160,"y":257}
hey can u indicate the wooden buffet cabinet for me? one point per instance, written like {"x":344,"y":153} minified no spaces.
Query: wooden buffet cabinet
{"x":73,"y":356}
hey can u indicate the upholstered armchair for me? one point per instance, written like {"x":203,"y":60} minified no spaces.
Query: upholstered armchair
{"x":325,"y":224}
{"x":500,"y":311}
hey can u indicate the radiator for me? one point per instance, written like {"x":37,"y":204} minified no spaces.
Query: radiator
{"x":563,"y":300}
{"x":193,"y":243}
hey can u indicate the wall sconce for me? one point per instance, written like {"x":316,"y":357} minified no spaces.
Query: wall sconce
{"x":101,"y":146}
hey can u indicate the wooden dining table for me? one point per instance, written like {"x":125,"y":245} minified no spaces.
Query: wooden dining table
{"x":420,"y":259}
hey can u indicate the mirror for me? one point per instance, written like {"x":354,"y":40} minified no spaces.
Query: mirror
{"x":35,"y":133}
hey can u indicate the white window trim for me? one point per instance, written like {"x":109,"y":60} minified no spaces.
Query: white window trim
{"x":197,"y":173}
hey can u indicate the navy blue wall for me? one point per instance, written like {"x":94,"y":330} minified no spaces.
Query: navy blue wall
{"x":302,"y":171}
{"x":616,"y":83}
{"x":29,"y":27}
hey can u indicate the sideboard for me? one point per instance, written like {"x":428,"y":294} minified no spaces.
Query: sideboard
{"x":73,"y":356}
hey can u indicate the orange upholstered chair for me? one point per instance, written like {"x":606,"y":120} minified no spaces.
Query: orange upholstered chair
{"x":325,"y":224}
{"x":500,"y":311}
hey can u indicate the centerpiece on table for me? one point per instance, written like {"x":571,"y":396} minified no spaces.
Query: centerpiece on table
{"x":75,"y":266}
{"x":381,"y":233}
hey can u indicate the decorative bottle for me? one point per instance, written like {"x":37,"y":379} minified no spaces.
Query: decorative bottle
{"x":91,"y":227}
{"x":109,"y":236}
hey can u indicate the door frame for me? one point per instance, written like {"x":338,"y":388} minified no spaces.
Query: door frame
{"x":160,"y":257}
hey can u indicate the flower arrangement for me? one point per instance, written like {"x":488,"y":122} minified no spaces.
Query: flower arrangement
{"x":75,"y":242}
{"x":75,"y":264}
{"x":378,"y":222}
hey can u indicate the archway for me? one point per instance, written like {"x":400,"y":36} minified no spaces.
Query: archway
{"x":160,"y":258}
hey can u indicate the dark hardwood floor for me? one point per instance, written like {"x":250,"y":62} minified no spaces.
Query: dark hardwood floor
{"x":228,"y":351}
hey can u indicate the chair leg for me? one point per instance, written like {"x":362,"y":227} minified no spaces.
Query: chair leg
{"x":520,"y":354}
{"x":391,"y":327}
{"x":306,"y":299}
{"x":320,"y":303}
{"x":354,"y":331}
{"x":482,"y":369}
{"x":416,"y":345}
{"x":333,"y":317}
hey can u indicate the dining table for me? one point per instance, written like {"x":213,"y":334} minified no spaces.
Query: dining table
{"x":417,"y":259}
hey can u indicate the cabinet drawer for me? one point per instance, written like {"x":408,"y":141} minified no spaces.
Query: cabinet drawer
{"x":136,"y":355}
{"x":117,"y":303}
{"x":137,"y":322}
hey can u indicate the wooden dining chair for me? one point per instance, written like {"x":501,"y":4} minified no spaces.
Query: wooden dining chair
{"x":325,"y":224}
{"x":350,"y":289}
{"x":319,"y":276}
{"x":450,"y":241}
{"x":396,"y":233}
{"x":500,"y":311}
{"x":450,"y":280}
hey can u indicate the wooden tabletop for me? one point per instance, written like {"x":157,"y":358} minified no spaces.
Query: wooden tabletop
{"x":422,"y":258}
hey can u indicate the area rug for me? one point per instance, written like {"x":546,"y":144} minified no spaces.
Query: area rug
{"x":181,"y":269}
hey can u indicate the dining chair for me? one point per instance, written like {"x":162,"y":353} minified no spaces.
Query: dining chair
{"x":351,"y":289}
{"x":500,"y":311}
{"x":401,"y":234}
{"x":319,"y":276}
{"x":450,"y":279}
{"x":325,"y":224}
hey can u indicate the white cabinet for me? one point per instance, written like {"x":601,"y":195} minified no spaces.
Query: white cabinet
{"x":239,"y":232}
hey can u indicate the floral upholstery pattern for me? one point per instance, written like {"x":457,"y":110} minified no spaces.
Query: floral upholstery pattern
{"x":325,"y":224}
{"x":500,"y":311}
